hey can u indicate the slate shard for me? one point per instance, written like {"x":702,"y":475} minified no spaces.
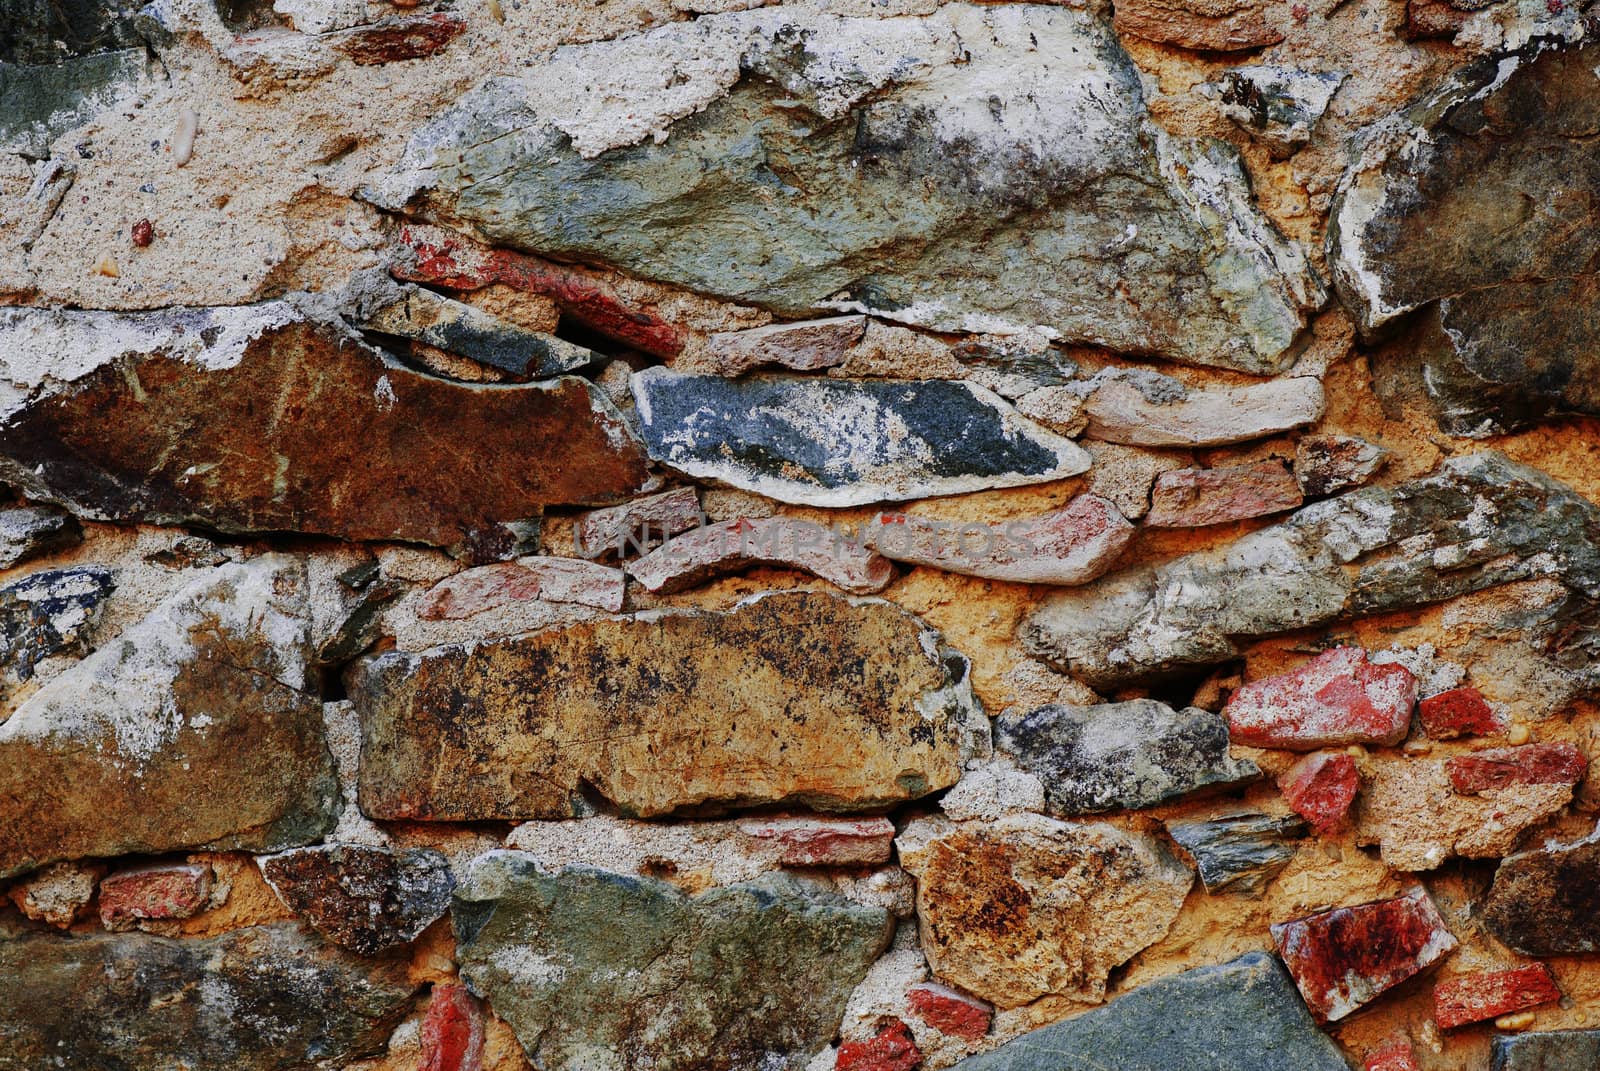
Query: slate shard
{"x":1546,"y":1050}
{"x":1559,"y":763}
{"x":215,"y":677}
{"x":1122,"y":756}
{"x":26,"y":532}
{"x":136,"y":1000}
{"x":831,"y":442}
{"x":1243,"y":1015}
{"x":600,"y":972}
{"x":48,"y":613}
{"x":934,"y":170}
{"x":1193,"y":498}
{"x":1239,"y":853}
{"x":363,"y":898}
{"x":1546,"y":902}
{"x":282,"y":393}
{"x":671,"y":709}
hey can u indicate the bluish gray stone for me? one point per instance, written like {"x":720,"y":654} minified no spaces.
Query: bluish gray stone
{"x":1122,"y":756}
{"x":1239,"y":853}
{"x":834,"y":442}
{"x":39,"y":103}
{"x":47,"y":613}
{"x":1244,"y":1015}
{"x":1547,"y":1050}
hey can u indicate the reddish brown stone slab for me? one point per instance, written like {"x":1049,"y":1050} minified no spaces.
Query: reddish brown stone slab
{"x":818,"y":841}
{"x":443,"y":258}
{"x":1487,"y":994}
{"x":1337,"y":698}
{"x":718,"y":549}
{"x":1193,"y":498}
{"x":452,"y":1031}
{"x":891,"y":1049}
{"x":153,"y":892}
{"x":1206,"y":25}
{"x":405,"y":37}
{"x":569,"y":580}
{"x":1321,"y":787}
{"x":1343,"y":959}
{"x":1396,"y":1054}
{"x":950,"y":1011}
{"x":1459,"y":712}
{"x":297,"y":426}
{"x":1531,"y":764}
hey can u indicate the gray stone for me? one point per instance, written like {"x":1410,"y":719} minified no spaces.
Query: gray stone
{"x":48,"y":613}
{"x":1239,"y":853}
{"x":600,"y":972}
{"x":1546,"y":902}
{"x":1240,"y":1016}
{"x":829,"y":442}
{"x":1277,"y":106}
{"x":39,"y":103}
{"x":1462,"y":210}
{"x":45,"y":31}
{"x":364,"y":898}
{"x":1546,"y":1050}
{"x":262,"y":998}
{"x":161,"y":732}
{"x":29,"y":531}
{"x":1328,"y":464}
{"x":1122,"y":756}
{"x":935,"y":170}
{"x":1480,"y":521}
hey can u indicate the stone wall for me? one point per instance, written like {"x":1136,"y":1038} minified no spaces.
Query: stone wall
{"x":657,"y":535}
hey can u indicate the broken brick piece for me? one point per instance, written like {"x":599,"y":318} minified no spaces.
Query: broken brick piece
{"x":154,"y":892}
{"x":1488,"y":994}
{"x":1458,"y":712}
{"x":1396,"y":1054}
{"x":891,"y":1049}
{"x":1531,"y":764}
{"x":950,"y":1011}
{"x":452,"y":1031}
{"x":1337,"y":698}
{"x":814,"y":841}
{"x":1344,"y":958}
{"x":1321,"y":787}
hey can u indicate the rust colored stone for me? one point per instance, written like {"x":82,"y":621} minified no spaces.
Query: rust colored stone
{"x":1193,"y":498}
{"x":1488,"y":994}
{"x":817,"y":841}
{"x":446,"y":259}
{"x":1206,"y":25}
{"x":950,"y":1011}
{"x":1321,"y":787}
{"x":406,"y":37}
{"x":1531,"y":764}
{"x":153,"y":892}
{"x":1396,"y":1054}
{"x":1335,"y":699}
{"x":1459,"y":712}
{"x":452,"y":1031}
{"x":891,"y":1049}
{"x":1344,"y":958}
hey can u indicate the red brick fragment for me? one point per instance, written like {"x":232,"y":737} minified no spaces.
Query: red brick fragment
{"x":1344,"y":958}
{"x":154,"y":892}
{"x":1335,"y":699}
{"x":449,"y":260}
{"x":892,"y":1049}
{"x":406,"y":37}
{"x":1458,"y":712}
{"x":1193,"y":498}
{"x":452,"y":1031}
{"x":950,"y":1011}
{"x":1531,"y":764}
{"x":144,"y":232}
{"x":1396,"y":1054}
{"x":814,"y":841}
{"x":1488,"y":994}
{"x":1321,"y":787}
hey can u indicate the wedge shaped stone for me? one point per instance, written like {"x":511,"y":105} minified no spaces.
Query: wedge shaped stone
{"x":798,"y":697}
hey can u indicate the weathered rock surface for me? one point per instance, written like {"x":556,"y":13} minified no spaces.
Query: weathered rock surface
{"x":950,"y":1011}
{"x":551,"y":579}
{"x":804,"y":346}
{"x":1278,"y":106}
{"x":934,"y":170}
{"x":171,"y":891}
{"x":671,"y":709}
{"x":1072,"y":545}
{"x":1328,"y":464}
{"x":1211,"y":25}
{"x":1345,"y":958}
{"x":1158,"y":411}
{"x":830,"y":442}
{"x":1193,"y":498}
{"x":363,"y":898}
{"x":1473,"y":998}
{"x":1335,"y":699}
{"x":1480,"y":522}
{"x":194,"y":694}
{"x":713,"y":550}
{"x":57,"y":894}
{"x":637,"y":525}
{"x":1546,"y":1050}
{"x":48,"y":613}
{"x":1321,"y":787}
{"x":1239,"y":853}
{"x":282,"y":394}
{"x":892,"y":1048}
{"x":600,"y":972}
{"x":1546,"y":902}
{"x":1458,"y":712}
{"x":1239,"y":1016}
{"x":1451,"y":172}
{"x":263,"y":998}
{"x":1025,"y":906}
{"x":29,"y":531}
{"x":821,"y":841}
{"x":1396,"y":1054}
{"x":1532,"y":764}
{"x":1122,"y":756}
{"x":40,"y":102}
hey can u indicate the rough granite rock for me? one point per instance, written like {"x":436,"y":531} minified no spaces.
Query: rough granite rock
{"x":1208,"y":25}
{"x":1138,"y":412}
{"x":1073,"y":545}
{"x":601,"y":972}
{"x":286,"y":399}
{"x":833,"y":442}
{"x":1345,"y":958}
{"x":1277,"y":106}
{"x":1546,"y":902}
{"x":936,"y":170}
{"x":1546,"y":1050}
{"x":1239,"y":853}
{"x":57,"y":894}
{"x":28,"y":531}
{"x":262,"y":998}
{"x":1453,"y":172}
{"x":1481,"y":521}
{"x":1458,"y":712}
{"x":48,"y":613}
{"x":1240,"y":1016}
{"x":1335,"y":699}
{"x":1472,"y":998}
{"x":194,"y":694}
{"x":701,"y":554}
{"x":1122,"y":756}
{"x":1025,"y":906}
{"x":798,"y":697}
{"x":363,"y":898}
{"x":1193,"y":498}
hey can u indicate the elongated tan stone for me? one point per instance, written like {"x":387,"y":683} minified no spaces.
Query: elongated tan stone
{"x":714,"y":550}
{"x":799,"y":697}
{"x":1120,"y":413}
